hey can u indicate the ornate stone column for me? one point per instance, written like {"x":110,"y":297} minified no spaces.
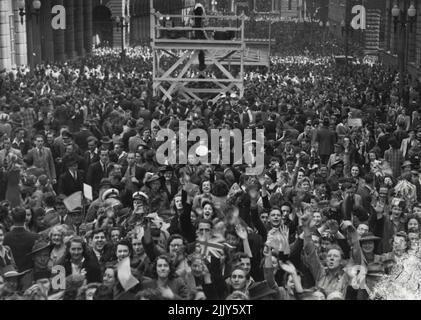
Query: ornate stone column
{"x":79,"y":27}
{"x":5,"y":48}
{"x":88,"y":26}
{"x":70,"y":30}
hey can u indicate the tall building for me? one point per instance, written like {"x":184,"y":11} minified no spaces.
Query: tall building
{"x":397,"y":43}
{"x":27,"y":34}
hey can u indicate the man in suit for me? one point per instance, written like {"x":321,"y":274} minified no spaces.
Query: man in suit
{"x":72,"y":179}
{"x":7,"y":148}
{"x":20,"y":240}
{"x":132,"y":174}
{"x":20,"y":142}
{"x":98,"y":171}
{"x":92,"y":154}
{"x":408,"y":142}
{"x":43,"y":158}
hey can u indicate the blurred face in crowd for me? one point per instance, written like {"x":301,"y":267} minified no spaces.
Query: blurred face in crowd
{"x":137,"y":246}
{"x":285,"y":211}
{"x":178,"y":203}
{"x":275,"y":217}
{"x":39,"y":142}
{"x":362,"y":229}
{"x":264,"y":217}
{"x":245,"y":264}
{"x":41,"y":259}
{"x":207,"y":211}
{"x":115,"y":236}
{"x":162,"y":269}
{"x":413,"y":224}
{"x":417,"y":211}
{"x":89,"y":294}
{"x":323,"y":172}
{"x":118,"y":149}
{"x":138,"y":157}
{"x":91,"y":146}
{"x":131,"y":159}
{"x":122,"y":252}
{"x":176,"y":247}
{"x":168,"y":175}
{"x":367,"y":246}
{"x":305,"y":186}
{"x":238,"y":279}
{"x":300,"y":176}
{"x":197,"y":267}
{"x":290,"y":166}
{"x":98,"y":241}
{"x":56,"y":238}
{"x":206,"y":186}
{"x":317,"y":218}
{"x":76,"y":251}
{"x":399,"y":245}
{"x":50,"y":138}
{"x":333,"y":259}
{"x":28,"y":216}
{"x":109,"y":277}
{"x":7,"y":144}
{"x":316,"y":241}
{"x":414,"y":238}
{"x":155,"y":185}
{"x":355,"y":172}
{"x":396,"y":212}
{"x":104,"y":156}
{"x":204,"y":229}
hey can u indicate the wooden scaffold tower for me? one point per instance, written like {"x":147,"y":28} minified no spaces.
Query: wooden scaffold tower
{"x":192,"y":60}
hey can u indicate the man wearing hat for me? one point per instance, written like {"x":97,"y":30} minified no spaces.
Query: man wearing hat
{"x":40,"y":255}
{"x":106,"y":143}
{"x":72,"y":179}
{"x":170,"y":184}
{"x":11,"y":282}
{"x":338,"y":155}
{"x":98,"y":171}
{"x":407,"y":143}
{"x":157,"y":196}
{"x":136,"y":140}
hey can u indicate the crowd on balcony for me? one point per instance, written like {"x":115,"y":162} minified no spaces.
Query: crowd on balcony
{"x":334,"y":214}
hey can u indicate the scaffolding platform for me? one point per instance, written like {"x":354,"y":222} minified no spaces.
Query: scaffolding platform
{"x":191,"y":61}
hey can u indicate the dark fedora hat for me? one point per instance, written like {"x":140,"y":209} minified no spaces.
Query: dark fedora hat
{"x":166,"y":168}
{"x":10,"y":271}
{"x":260,"y":290}
{"x":106,"y":140}
{"x":40,"y":245}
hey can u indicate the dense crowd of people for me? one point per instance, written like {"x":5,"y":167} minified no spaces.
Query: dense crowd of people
{"x":336,"y":209}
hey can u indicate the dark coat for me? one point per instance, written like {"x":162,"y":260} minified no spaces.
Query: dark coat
{"x":67,"y":185}
{"x":90,"y":264}
{"x":21,"y":242}
{"x":95,"y":175}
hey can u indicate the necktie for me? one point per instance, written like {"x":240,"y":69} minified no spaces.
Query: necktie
{"x":40,"y":152}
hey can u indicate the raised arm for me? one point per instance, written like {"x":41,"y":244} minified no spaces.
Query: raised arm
{"x":310,"y":254}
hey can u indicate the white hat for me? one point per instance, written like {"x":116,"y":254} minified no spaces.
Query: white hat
{"x":110,"y":193}
{"x":139,"y":195}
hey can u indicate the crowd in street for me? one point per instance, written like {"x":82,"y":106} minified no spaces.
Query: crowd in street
{"x":336,"y":210}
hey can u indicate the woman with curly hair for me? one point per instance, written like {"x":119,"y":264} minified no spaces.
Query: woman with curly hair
{"x":166,"y":280}
{"x":79,"y":261}
{"x":56,"y":237}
